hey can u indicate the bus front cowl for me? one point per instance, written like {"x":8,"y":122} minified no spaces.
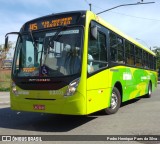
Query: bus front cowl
{"x":48,"y":101}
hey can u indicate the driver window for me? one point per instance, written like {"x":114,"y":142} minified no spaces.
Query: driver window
{"x":97,"y":53}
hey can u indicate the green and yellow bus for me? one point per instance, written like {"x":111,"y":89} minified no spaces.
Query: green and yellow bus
{"x":76,"y":63}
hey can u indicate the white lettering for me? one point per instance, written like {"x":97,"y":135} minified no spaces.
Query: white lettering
{"x":127,"y":76}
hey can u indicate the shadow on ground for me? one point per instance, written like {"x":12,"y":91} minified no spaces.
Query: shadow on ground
{"x":40,"y":122}
{"x":47,"y":122}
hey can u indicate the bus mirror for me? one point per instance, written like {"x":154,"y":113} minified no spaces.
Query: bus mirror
{"x":6,"y":42}
{"x":11,"y":33}
{"x":94,"y":32}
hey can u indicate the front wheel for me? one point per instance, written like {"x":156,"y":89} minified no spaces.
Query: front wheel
{"x":115,"y":102}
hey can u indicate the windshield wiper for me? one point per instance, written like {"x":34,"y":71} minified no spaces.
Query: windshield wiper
{"x":54,"y":37}
{"x":33,"y":40}
{"x":51,"y":41}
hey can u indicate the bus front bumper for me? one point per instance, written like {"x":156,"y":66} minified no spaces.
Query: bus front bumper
{"x":71,"y":105}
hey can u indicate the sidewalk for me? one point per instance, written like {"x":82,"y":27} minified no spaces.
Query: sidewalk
{"x":4,"y":98}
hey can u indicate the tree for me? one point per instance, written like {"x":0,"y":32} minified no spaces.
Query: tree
{"x":157,"y":52}
{"x":3,"y":51}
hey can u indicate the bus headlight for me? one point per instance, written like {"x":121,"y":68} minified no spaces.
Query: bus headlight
{"x":72,"y":87}
{"x":14,"y":89}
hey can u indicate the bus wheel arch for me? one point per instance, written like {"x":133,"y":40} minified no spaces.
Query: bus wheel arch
{"x":119,"y":87}
{"x":116,"y":99}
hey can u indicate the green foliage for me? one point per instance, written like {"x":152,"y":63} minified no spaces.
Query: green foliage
{"x":5,"y":86}
{"x":5,"y":81}
{"x":156,"y":50}
{"x":3,"y":51}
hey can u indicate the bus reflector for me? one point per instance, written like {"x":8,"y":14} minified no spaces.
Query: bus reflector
{"x":39,"y":107}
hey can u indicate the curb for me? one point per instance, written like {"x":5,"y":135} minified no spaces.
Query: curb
{"x":5,"y":103}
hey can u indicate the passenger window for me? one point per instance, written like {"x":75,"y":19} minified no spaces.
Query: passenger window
{"x":113,"y":46}
{"x":116,"y":48}
{"x":138,"y":57}
{"x":120,"y":48}
{"x":151,"y":61}
{"x":129,"y":52}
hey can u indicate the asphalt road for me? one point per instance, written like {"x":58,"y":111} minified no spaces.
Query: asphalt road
{"x":137,"y":117}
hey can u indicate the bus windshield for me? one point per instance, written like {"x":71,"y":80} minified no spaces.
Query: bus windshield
{"x":49,"y":53}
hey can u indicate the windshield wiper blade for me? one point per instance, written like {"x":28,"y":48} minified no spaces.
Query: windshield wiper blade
{"x":33,"y":40}
{"x":51,"y":42}
{"x":54,"y":37}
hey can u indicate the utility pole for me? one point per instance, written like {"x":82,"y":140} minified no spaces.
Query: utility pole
{"x":90,"y":7}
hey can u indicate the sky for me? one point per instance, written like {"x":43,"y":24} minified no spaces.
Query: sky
{"x":141,"y":22}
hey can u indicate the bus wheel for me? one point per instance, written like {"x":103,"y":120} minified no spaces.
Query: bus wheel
{"x":115,"y":102}
{"x":148,"y":95}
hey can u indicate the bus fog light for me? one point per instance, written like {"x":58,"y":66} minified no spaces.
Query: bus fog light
{"x":72,"y":87}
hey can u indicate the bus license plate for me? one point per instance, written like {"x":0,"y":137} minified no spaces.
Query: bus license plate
{"x":39,"y":107}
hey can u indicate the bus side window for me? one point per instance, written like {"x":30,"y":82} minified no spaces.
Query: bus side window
{"x":138,"y":57}
{"x":120,"y":47}
{"x":116,"y":48}
{"x":129,"y":52}
{"x":145,"y":56}
{"x":113,"y":46}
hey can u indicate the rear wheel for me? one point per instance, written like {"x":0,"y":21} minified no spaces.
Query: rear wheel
{"x":115,"y":102}
{"x":148,"y":95}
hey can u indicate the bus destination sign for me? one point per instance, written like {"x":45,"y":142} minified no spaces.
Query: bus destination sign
{"x":51,"y":23}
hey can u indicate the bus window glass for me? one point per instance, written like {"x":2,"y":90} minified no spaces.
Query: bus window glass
{"x":147,"y":60}
{"x":113,"y":46}
{"x":29,"y":54}
{"x":138,"y":57}
{"x":131,"y":49}
{"x":120,"y":47}
{"x":129,"y":52}
{"x":97,"y":53}
{"x":50,"y":54}
{"x":120,"y":44}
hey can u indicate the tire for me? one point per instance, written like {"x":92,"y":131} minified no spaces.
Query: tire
{"x":148,"y":95}
{"x":115,"y":102}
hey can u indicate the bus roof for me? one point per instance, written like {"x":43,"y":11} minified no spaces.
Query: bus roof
{"x":114,"y":29}
{"x":98,"y":19}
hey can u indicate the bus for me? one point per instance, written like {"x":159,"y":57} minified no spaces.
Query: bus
{"x":76,"y":63}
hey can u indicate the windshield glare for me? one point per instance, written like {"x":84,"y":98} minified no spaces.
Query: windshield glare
{"x":50,"y":53}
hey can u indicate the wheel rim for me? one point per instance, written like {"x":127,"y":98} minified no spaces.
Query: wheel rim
{"x":114,"y":100}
